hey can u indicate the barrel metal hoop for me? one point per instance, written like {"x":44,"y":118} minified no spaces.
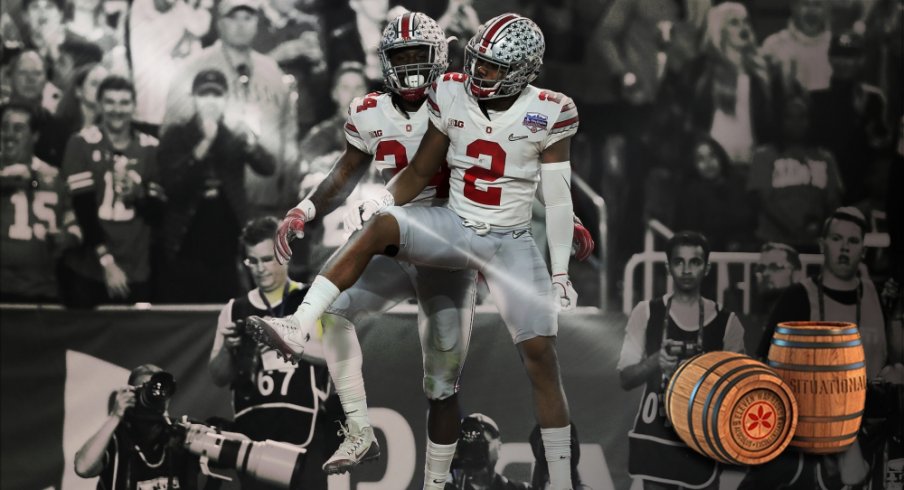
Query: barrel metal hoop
{"x":690,"y":401}
{"x":827,"y":438}
{"x":815,"y":345}
{"x":814,"y":333}
{"x":668,"y":393}
{"x":818,"y":367}
{"x":826,"y":418}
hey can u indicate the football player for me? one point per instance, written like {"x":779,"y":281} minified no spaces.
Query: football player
{"x":501,"y":137}
{"x":385,"y":129}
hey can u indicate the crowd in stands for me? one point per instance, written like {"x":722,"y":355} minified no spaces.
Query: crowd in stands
{"x":139,"y":136}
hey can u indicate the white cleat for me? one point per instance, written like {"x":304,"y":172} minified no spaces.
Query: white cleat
{"x":359,"y":446}
{"x":286,"y":335}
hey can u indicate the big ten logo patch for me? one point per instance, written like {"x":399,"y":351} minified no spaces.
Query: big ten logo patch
{"x":455,"y":123}
{"x":376,"y":133}
{"x":758,"y":420}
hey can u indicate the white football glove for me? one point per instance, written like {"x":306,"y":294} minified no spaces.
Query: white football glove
{"x":568,"y":297}
{"x":362,"y":211}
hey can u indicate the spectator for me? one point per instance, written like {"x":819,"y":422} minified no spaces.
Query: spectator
{"x":795,"y":183}
{"x":73,"y":54}
{"x":45,"y":32}
{"x":319,"y":150}
{"x":29,"y":86}
{"x":35,"y":214}
{"x":540,"y":476}
{"x":474,"y":465}
{"x":841,"y":292}
{"x":298,"y":413}
{"x":802,"y":49}
{"x":712,"y":199}
{"x":134,"y":447}
{"x":259,"y":101}
{"x":111,"y":174}
{"x":293,"y":39}
{"x":778,"y":268}
{"x":202,"y":167}
{"x":734,"y":93}
{"x":355,"y":41}
{"x":660,"y":334}
{"x":78,"y":109}
{"x":86,"y":20}
{"x":849,"y":117}
{"x":161,"y":33}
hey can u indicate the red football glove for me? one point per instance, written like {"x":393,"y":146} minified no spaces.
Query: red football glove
{"x":292,"y":226}
{"x":582,"y":243}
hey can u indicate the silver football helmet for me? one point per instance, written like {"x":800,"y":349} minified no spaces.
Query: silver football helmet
{"x":413,"y":29}
{"x":514,"y":46}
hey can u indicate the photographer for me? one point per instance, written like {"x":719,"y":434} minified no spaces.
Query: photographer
{"x":474,"y":465}
{"x":272,"y":398}
{"x":660,"y":334}
{"x":135,"y":447}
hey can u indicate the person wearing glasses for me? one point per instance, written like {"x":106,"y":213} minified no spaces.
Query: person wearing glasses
{"x":273,"y":399}
{"x":778,"y":268}
{"x":203,"y":165}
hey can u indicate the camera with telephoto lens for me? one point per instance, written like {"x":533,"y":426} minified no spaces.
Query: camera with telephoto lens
{"x":275,"y":463}
{"x":153,"y":394}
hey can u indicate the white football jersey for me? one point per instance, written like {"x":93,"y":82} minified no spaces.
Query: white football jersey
{"x":375,"y":126}
{"x":495,"y":164}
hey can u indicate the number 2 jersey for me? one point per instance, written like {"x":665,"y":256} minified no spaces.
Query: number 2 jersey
{"x":495,"y":163}
{"x":376,"y":127}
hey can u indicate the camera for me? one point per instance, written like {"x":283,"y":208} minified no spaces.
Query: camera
{"x":275,"y":463}
{"x":681,"y":349}
{"x":154,"y":393}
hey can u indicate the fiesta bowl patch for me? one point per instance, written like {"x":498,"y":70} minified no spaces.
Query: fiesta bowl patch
{"x":535,"y":121}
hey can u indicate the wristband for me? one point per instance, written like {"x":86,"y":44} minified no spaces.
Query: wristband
{"x":307,"y":208}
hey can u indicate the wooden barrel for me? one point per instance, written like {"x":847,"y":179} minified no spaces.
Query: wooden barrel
{"x":731,"y":408}
{"x":823,"y":363}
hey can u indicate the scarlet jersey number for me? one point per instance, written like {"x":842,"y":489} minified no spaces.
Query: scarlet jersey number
{"x":492,"y":196}
{"x":400,"y":155}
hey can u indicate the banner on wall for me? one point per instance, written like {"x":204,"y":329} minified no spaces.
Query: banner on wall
{"x":59,"y":367}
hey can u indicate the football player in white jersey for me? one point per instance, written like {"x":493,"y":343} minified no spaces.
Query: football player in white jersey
{"x":385,"y":129}
{"x":501,"y":138}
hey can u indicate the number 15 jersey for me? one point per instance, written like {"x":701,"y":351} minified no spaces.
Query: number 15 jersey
{"x":495,"y":163}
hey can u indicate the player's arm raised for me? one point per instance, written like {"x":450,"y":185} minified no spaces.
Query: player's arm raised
{"x":555,"y":180}
{"x":324,"y":199}
{"x":431,"y":153}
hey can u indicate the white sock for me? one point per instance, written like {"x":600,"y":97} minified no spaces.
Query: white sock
{"x":557,"y":445}
{"x":344,"y":360}
{"x":439,"y":462}
{"x":320,"y":296}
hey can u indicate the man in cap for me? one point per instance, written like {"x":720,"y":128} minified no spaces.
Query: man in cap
{"x":258,"y":101}
{"x":203,"y":164}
